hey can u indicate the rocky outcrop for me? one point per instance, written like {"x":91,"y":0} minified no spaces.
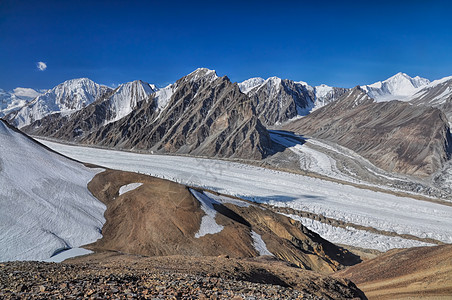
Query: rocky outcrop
{"x":161,"y":217}
{"x":395,"y":136}
{"x":279,"y":100}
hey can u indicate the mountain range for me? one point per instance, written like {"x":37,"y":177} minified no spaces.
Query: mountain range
{"x":397,"y":129}
{"x":206,"y":115}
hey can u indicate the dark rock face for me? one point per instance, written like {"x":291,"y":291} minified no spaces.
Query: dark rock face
{"x":278,"y":100}
{"x":206,"y":115}
{"x":395,"y":136}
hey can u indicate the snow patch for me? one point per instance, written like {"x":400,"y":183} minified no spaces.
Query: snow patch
{"x":129,"y":187}
{"x":208,"y":223}
{"x":259,"y":244}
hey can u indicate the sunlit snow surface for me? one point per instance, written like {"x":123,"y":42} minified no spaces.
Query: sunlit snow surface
{"x":259,"y":244}
{"x":342,"y":202}
{"x":208,"y":223}
{"x":44,"y":199}
{"x":129,"y":187}
{"x":358,"y":238}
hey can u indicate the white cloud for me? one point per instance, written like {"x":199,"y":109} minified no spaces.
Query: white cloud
{"x":41,"y":65}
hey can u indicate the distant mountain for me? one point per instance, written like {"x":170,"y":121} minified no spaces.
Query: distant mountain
{"x":200,"y":114}
{"x":395,"y":136}
{"x":436,"y":94}
{"x":125,"y":99}
{"x":279,"y":100}
{"x":46,"y":206}
{"x":66,"y":98}
{"x":398,"y":87}
{"x":16,"y":99}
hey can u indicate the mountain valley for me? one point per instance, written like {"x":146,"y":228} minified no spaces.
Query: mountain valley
{"x":283,"y":182}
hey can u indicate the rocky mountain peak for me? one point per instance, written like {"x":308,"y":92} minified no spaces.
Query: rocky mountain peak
{"x":200,"y":75}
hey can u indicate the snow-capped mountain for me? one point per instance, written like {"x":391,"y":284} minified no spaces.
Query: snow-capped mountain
{"x":279,"y":100}
{"x":201,"y":114}
{"x":65,"y":98}
{"x":45,"y":203}
{"x":436,"y":94}
{"x":398,"y":87}
{"x":126,"y":97}
{"x":395,"y":136}
{"x":249,"y":84}
{"x":325,"y":94}
{"x":16,"y":99}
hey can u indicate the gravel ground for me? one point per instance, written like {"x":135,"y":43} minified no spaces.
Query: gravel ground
{"x":36,"y":280}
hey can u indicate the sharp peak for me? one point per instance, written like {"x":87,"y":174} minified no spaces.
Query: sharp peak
{"x":138,"y":81}
{"x":205,"y":70}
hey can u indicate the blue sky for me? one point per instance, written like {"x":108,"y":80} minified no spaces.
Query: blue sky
{"x":339,"y":43}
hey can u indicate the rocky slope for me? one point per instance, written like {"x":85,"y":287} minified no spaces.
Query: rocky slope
{"x":65,"y":98}
{"x":111,"y":275}
{"x":279,"y":100}
{"x":160,"y":217}
{"x":395,"y":136}
{"x":416,"y":273}
{"x":200,"y":114}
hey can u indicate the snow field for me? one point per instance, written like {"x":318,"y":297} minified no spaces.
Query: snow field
{"x":402,"y":215}
{"x":45,"y":203}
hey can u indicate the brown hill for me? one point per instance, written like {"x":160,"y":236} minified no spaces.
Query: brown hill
{"x":423,"y":272}
{"x":164,"y":218}
{"x":395,"y":136}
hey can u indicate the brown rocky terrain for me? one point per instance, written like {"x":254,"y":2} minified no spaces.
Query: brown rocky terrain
{"x":206,"y":115}
{"x":395,"y":136}
{"x":162,"y":218}
{"x":415,"y":273}
{"x":113,"y":275}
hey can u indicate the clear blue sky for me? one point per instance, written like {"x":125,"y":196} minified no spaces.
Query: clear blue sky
{"x":339,"y":43}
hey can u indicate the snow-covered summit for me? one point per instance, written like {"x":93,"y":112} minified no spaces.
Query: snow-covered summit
{"x":398,"y":87}
{"x":45,"y":203}
{"x":126,"y":97}
{"x":201,"y":74}
{"x":16,"y":99}
{"x":318,"y":95}
{"x":65,"y":98}
{"x":249,"y":84}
